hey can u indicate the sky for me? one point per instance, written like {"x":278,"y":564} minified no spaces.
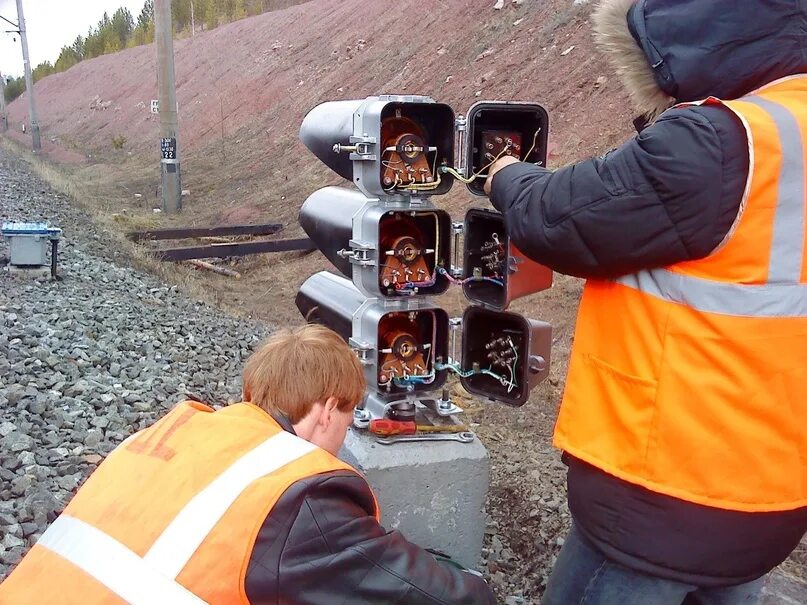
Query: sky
{"x":51,"y":24}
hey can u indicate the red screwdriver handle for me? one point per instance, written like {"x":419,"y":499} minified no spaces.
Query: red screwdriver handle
{"x":385,"y":427}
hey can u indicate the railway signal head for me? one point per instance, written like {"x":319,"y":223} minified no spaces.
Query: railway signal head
{"x":394,"y":247}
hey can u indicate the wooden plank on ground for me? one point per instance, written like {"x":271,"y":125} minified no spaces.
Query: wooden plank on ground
{"x":183,"y":233}
{"x":235,"y":249}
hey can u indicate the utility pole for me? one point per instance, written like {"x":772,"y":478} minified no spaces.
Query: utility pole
{"x":3,"y":115}
{"x":169,"y":147}
{"x":29,"y":80}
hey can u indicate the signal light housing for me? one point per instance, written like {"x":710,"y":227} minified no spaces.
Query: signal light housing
{"x":404,"y":347}
{"x":392,"y":250}
{"x":411,"y":145}
{"x":396,"y":246}
{"x":397,"y":343}
{"x":413,"y":134}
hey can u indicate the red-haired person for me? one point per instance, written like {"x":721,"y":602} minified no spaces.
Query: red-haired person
{"x":246,"y":504}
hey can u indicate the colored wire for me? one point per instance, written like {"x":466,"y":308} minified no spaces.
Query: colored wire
{"x":513,"y":366}
{"x":460,"y":282}
{"x":466,"y":374}
{"x":454,"y":368}
{"x":476,"y":175}
{"x":534,"y":143}
{"x":421,"y":379}
{"x":427,"y":186}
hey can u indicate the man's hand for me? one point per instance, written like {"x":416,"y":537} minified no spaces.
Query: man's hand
{"x":497,"y":165}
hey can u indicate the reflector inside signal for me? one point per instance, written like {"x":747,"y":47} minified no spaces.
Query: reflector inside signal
{"x":408,"y":344}
{"x":412,"y":247}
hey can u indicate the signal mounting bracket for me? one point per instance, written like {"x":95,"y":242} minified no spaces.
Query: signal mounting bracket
{"x":363,"y":148}
{"x":362,"y":349}
{"x":360,"y":253}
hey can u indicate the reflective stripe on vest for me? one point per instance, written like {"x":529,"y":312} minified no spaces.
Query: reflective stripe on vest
{"x":151,"y":579}
{"x":111,"y":563}
{"x":175,"y":546}
{"x":783,"y":295}
{"x":767,"y":300}
{"x":787,"y":248}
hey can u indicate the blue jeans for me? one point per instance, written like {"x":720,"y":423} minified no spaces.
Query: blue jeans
{"x":582,"y":576}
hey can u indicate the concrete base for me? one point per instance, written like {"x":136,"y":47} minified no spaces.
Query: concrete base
{"x":433,"y":493}
{"x":28,"y":272}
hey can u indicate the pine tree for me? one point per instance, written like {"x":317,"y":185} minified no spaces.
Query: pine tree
{"x":123,"y":31}
{"x":122,"y":25}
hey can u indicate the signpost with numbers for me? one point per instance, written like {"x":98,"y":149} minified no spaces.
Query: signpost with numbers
{"x":168,"y":148}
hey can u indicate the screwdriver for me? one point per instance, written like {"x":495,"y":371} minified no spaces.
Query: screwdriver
{"x":386,"y":427}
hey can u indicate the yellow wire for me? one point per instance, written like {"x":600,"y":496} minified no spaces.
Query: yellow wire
{"x":476,"y":175}
{"x":534,"y":144}
{"x":427,"y":186}
{"x":424,"y":186}
{"x":479,"y":175}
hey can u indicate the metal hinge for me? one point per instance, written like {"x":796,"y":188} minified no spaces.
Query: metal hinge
{"x":454,"y":326}
{"x":457,"y":229}
{"x":460,"y":126}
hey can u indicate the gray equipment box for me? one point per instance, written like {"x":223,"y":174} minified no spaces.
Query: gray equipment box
{"x":29,"y":242}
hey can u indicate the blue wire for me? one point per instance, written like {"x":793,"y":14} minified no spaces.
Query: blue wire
{"x":442,"y":271}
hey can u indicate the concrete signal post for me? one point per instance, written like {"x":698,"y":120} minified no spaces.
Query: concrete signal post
{"x":169,"y":145}
{"x":3,"y":114}
{"x":29,"y":80}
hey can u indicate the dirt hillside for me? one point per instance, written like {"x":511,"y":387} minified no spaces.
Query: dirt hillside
{"x":243,"y":90}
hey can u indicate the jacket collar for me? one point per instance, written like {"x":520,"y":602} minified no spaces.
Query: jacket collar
{"x":618,"y":41}
{"x":284,"y":422}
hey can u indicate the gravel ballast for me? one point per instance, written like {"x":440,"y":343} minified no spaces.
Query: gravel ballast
{"x":90,"y":359}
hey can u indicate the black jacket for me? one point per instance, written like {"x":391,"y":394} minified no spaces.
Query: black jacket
{"x":321,"y":545}
{"x":669,"y":195}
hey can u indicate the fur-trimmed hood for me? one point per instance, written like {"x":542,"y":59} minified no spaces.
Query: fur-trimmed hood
{"x":686,"y":50}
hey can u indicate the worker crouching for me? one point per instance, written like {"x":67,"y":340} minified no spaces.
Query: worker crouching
{"x":246,"y":504}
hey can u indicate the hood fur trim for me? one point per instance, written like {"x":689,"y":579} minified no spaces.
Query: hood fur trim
{"x":615,"y":40}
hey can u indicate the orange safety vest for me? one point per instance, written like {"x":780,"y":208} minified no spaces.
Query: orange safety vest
{"x":691,"y":380}
{"x":171,"y":516}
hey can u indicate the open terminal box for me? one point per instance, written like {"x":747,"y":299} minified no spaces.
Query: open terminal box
{"x":408,"y":347}
{"x":412,"y":145}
